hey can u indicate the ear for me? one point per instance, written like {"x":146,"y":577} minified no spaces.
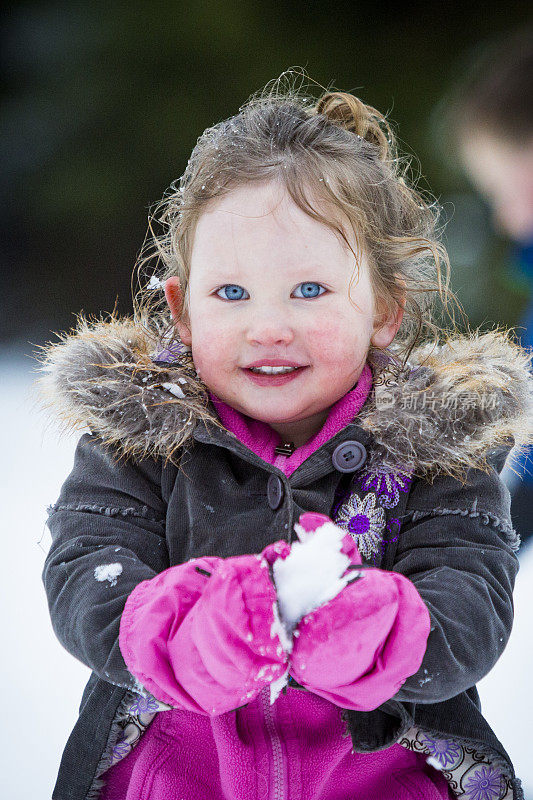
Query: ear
{"x":174,"y":298}
{"x":387,"y":323}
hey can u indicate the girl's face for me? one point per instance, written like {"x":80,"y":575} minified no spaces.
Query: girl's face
{"x":269,"y":282}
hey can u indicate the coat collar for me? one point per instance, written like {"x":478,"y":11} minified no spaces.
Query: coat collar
{"x":453,"y":407}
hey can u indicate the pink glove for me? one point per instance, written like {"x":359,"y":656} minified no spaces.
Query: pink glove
{"x":206,"y":643}
{"x":359,"y":648}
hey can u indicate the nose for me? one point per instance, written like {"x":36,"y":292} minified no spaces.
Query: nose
{"x":270,"y":327}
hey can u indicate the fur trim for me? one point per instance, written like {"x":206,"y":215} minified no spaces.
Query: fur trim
{"x":101,"y":376}
{"x":457,"y":406}
{"x":451,"y":408}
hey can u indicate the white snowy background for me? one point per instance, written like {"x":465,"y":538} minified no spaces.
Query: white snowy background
{"x":42,"y":683}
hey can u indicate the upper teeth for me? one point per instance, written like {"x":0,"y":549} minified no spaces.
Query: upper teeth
{"x":272,"y":370}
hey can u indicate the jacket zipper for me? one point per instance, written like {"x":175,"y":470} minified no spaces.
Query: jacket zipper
{"x":279,"y":788}
{"x":278,"y":792}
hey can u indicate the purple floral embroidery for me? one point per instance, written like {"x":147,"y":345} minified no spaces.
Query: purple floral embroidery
{"x":484,"y":784}
{"x":120,"y":750}
{"x":365,"y":522}
{"x":170,"y":353}
{"x":444,"y":750}
{"x":387,"y":485}
{"x":143,"y":705}
{"x":467,"y":766}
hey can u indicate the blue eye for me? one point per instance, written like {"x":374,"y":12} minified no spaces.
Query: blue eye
{"x":234,"y":291}
{"x":307,"y":289}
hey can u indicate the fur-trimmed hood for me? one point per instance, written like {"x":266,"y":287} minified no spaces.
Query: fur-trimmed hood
{"x":453,"y":407}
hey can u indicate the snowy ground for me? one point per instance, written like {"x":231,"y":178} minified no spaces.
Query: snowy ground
{"x":43,"y":683}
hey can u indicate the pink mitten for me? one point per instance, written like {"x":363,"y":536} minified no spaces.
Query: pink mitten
{"x":204,"y":635}
{"x":358,"y":648}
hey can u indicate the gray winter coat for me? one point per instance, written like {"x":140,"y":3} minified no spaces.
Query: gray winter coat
{"x":157,"y":481}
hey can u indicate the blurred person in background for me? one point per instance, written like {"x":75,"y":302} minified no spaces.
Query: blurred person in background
{"x":490,"y":119}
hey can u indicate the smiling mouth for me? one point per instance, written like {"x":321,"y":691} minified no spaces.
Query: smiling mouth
{"x":272,"y":370}
{"x":273,"y":378}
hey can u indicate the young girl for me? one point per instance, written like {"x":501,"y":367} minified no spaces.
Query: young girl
{"x":284,"y":548}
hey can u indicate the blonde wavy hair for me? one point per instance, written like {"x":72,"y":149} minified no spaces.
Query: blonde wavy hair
{"x":335,"y":148}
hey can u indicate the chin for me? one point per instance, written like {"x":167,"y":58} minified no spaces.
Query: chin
{"x":275,"y":416}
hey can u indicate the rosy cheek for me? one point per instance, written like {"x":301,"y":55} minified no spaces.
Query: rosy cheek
{"x":212,"y":345}
{"x":326,"y":332}
{"x":334,"y":342}
{"x":203,"y":351}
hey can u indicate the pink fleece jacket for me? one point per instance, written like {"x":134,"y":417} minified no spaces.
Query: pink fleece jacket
{"x":294,"y":748}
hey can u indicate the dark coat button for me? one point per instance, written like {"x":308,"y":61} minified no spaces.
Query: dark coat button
{"x":349,"y":456}
{"x":275,"y":491}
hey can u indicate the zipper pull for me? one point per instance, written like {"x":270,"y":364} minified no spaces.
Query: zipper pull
{"x":286,"y":449}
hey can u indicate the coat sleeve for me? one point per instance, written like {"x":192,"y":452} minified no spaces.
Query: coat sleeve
{"x":457,"y":548}
{"x":108,"y":535}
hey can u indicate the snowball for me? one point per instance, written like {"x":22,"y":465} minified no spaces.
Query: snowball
{"x":108,"y":572}
{"x":311,"y":573}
